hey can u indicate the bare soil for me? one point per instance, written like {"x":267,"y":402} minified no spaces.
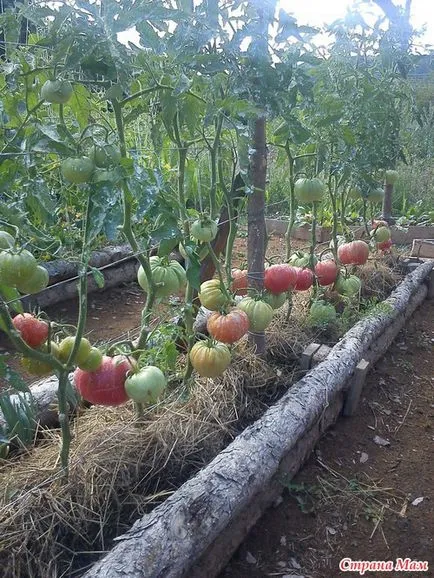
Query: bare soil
{"x":354,"y":498}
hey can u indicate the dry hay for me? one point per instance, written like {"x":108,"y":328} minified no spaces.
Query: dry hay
{"x":378,"y":279}
{"x":120,"y":468}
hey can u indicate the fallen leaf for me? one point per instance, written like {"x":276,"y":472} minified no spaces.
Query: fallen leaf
{"x":417,"y":501}
{"x":331,"y":530}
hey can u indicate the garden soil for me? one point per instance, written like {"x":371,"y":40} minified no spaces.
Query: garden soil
{"x":359,"y":498}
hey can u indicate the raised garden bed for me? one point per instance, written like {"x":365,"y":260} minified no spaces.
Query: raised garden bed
{"x":194,"y":531}
{"x":399,"y":236}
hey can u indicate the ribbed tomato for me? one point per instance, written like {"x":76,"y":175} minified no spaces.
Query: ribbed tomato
{"x":210,"y":359}
{"x":168,"y":276}
{"x":228,"y":327}
{"x":35,"y":283}
{"x":32,"y":330}
{"x":354,"y":253}
{"x":309,"y":190}
{"x":106,"y":385}
{"x":239,"y":283}
{"x":376,"y":195}
{"x":304,"y":279}
{"x":204,"y":230}
{"x":211,"y":295}
{"x":279,"y":278}
{"x":379,"y":223}
{"x":326,"y":272}
{"x":348,"y":286}
{"x":259,"y":312}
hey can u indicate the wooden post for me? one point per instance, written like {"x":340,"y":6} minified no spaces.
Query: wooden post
{"x":430,"y":283}
{"x":256,"y":220}
{"x":307,"y":355}
{"x":387,"y":204}
{"x":355,"y":391}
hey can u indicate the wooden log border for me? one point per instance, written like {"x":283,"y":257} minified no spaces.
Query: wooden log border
{"x":196,"y":530}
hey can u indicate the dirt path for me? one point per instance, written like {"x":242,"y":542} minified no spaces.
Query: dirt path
{"x":354,"y":498}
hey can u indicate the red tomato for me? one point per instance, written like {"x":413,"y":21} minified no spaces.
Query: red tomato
{"x":326,"y":272}
{"x":229,"y":327}
{"x":304,"y":279}
{"x":106,"y":385}
{"x":33,"y":331}
{"x":239,"y":284}
{"x":279,"y":278}
{"x":354,"y":253}
{"x":385,"y":245}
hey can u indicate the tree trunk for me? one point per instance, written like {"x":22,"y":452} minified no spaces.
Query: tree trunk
{"x":256,"y":220}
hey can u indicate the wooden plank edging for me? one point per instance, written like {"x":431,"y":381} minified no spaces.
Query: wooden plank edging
{"x":173,"y":539}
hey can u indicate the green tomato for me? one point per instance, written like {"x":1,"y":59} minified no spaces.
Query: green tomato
{"x":35,"y":283}
{"x":376,"y":195}
{"x":348,"y":286}
{"x":16,"y":268}
{"x":66,"y":346}
{"x":168,"y":276}
{"x":321,"y":314}
{"x":381,"y":234}
{"x":37,"y":367}
{"x":146,"y":386}
{"x":211,"y":296}
{"x":105,"y":156}
{"x":56,"y":91}
{"x":309,"y":190}
{"x":204,"y":230}
{"x":6,"y":240}
{"x":260,"y":313}
{"x":93,"y":360}
{"x":275,"y":301}
{"x":300,"y":259}
{"x":391,"y":177}
{"x":77,"y":170}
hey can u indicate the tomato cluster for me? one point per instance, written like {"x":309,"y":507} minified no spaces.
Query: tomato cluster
{"x":19,"y":268}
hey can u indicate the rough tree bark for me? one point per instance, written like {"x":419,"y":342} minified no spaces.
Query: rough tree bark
{"x":167,"y":542}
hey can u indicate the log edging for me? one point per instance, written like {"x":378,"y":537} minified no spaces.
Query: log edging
{"x":196,"y":530}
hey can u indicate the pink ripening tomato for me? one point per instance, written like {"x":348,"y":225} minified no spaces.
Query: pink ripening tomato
{"x":304,"y":279}
{"x":354,"y":253}
{"x":279,"y":278}
{"x":229,"y":327}
{"x":106,"y":385}
{"x":326,"y":272}
{"x":32,"y":330}
{"x":239,"y":283}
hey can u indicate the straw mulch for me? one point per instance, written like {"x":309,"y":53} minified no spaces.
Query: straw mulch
{"x":120,"y":468}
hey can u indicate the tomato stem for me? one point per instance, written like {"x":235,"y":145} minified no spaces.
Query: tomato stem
{"x":64,"y":422}
{"x":291,"y":201}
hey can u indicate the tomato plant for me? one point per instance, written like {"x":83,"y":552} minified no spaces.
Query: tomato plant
{"x":105,"y":156}
{"x":6,"y":240}
{"x":35,"y":283}
{"x":300,"y":259}
{"x":375,"y":195}
{"x":33,"y":331}
{"x":348,"y":285}
{"x":321,"y":314}
{"x":391,"y":177}
{"x":210,"y":358}
{"x":228,"y":327}
{"x":106,"y":385}
{"x":93,"y":361}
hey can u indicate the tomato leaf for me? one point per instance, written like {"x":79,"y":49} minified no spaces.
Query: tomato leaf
{"x":12,"y":378}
